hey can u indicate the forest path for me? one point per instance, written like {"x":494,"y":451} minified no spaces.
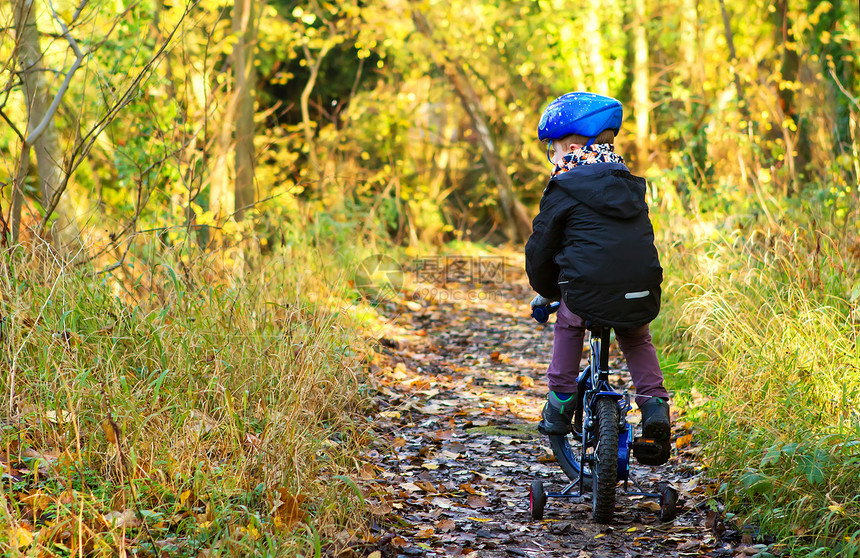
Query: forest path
{"x":460,"y":386}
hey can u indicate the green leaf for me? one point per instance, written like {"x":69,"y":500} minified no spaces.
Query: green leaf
{"x":756,"y":483}
{"x":813,"y":466}
{"x":790,"y":449}
{"x":351,"y":483}
{"x":157,"y":387}
{"x":772,"y":455}
{"x":151,"y":515}
{"x":855,"y":292}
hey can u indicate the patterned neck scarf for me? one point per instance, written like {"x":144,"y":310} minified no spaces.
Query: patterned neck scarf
{"x":598,"y":153}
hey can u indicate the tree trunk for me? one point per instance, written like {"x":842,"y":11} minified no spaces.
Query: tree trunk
{"x":245,"y":77}
{"x":316,"y":173}
{"x":594,"y":46}
{"x":838,"y":59}
{"x":641,"y":85}
{"x":516,"y":222}
{"x":733,"y":58}
{"x":49,"y":156}
{"x":689,"y":46}
{"x":797,"y":145}
{"x":221,"y":196}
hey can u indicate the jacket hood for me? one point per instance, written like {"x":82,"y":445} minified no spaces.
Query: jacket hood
{"x":607,"y":188}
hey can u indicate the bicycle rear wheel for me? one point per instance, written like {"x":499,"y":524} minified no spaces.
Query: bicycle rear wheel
{"x":605,"y":460}
{"x":567,"y":458}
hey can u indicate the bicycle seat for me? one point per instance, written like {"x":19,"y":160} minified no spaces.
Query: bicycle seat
{"x":596,"y":328}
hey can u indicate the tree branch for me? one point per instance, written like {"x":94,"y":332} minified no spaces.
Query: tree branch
{"x":845,"y":92}
{"x":83,"y":147}
{"x":79,"y":59}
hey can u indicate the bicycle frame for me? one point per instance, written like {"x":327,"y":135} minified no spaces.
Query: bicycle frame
{"x":593,"y":383}
{"x":592,"y":386}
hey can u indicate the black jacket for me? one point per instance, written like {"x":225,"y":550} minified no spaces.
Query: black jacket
{"x":593,"y":244}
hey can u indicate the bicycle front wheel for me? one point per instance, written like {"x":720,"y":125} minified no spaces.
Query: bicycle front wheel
{"x":605,"y":460}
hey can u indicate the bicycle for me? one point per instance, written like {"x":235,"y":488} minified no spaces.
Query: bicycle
{"x":606,"y":438}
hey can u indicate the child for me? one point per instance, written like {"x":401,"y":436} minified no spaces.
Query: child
{"x":592,"y":247}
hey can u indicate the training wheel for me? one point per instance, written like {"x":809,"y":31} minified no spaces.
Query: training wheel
{"x":668,"y":503}
{"x":537,"y":499}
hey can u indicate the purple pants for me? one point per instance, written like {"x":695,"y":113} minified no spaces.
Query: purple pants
{"x":634,"y":343}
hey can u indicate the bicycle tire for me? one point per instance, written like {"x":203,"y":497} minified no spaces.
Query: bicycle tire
{"x":668,"y":503}
{"x":605,"y":461}
{"x":566,"y":457}
{"x":537,"y":500}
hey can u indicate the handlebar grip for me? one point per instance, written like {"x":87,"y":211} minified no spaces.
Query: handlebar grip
{"x":541,"y":313}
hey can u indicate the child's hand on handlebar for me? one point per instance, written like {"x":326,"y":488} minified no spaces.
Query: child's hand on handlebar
{"x":539,"y":300}
{"x":542,"y":307}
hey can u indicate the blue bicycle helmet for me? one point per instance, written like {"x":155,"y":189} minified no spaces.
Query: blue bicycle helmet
{"x":586,"y":114}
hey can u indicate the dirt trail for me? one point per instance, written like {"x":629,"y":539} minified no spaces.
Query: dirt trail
{"x":460,"y":386}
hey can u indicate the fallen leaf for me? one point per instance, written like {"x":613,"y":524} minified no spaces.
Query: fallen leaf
{"x":546,"y":458}
{"x":689,"y":545}
{"x":184,"y":497}
{"x":22,"y":536}
{"x":446,"y":525}
{"x":443,"y":503}
{"x":287,"y":507}
{"x":382,"y":508}
{"x":477,"y":502}
{"x":526,"y":381}
{"x":121,"y":519}
{"x":683,"y":441}
{"x":110,"y":431}
{"x":37,"y":500}
{"x":466,"y":487}
{"x":367,"y":472}
{"x":61,"y":417}
{"x":649,"y":505}
{"x":425,"y":533}
{"x":427,"y":486}
{"x":198,"y":422}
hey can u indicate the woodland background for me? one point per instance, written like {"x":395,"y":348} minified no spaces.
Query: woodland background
{"x":186,"y":188}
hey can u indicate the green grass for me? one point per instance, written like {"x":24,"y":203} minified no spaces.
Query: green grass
{"x":205,"y":406}
{"x":766,"y":320}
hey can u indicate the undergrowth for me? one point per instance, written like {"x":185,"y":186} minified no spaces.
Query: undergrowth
{"x":177,"y":405}
{"x":766,"y":317}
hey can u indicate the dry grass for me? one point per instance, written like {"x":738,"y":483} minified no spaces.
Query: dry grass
{"x":768,"y":321}
{"x":179,"y":405}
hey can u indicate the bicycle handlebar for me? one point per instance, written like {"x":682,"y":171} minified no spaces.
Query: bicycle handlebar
{"x":541,"y":313}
